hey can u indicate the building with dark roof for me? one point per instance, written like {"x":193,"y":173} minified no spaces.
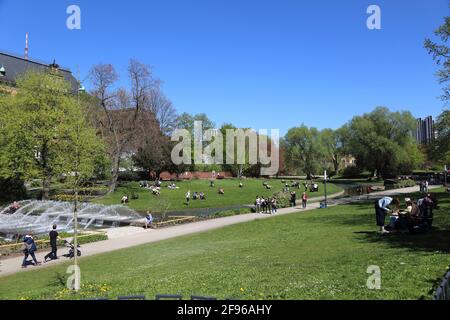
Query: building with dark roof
{"x":13,"y":66}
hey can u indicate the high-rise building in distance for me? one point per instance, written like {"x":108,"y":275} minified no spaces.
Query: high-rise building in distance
{"x":425,"y":130}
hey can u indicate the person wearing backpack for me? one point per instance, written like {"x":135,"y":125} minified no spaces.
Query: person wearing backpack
{"x":29,"y":250}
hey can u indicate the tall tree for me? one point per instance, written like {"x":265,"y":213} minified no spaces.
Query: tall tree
{"x":304,"y":150}
{"x":163,"y":110}
{"x":440,"y":148}
{"x":332,"y":141}
{"x":441,"y":54}
{"x":383,"y":142}
{"x":122,"y":114}
{"x":38,"y":135}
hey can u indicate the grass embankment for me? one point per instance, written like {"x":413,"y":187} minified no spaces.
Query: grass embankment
{"x":312,"y":255}
{"x":175,"y":199}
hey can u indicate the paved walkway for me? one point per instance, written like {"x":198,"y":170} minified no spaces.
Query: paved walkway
{"x":132,"y":236}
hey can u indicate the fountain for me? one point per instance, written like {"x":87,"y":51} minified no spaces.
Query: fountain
{"x":37,"y":217}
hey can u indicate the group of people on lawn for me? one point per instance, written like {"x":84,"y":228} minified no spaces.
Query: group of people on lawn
{"x":417,"y":216}
{"x":195,"y":196}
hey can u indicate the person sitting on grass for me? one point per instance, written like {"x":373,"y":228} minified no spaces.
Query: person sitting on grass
{"x":202,"y":196}
{"x":125,"y":199}
{"x":241,"y":185}
{"x":221,"y":191}
{"x":195,"y":196}
{"x":148,"y":220}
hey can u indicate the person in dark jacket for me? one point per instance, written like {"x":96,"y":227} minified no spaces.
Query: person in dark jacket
{"x":54,"y":236}
{"x":30,"y":249}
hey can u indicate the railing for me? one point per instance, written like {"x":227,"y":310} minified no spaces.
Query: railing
{"x":41,"y":244}
{"x":443,"y":292}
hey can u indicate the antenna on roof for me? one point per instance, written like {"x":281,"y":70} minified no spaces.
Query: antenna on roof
{"x":26,"y":46}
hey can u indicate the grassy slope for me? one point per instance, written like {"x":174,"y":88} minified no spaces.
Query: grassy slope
{"x":174,"y":199}
{"x":315,"y":255}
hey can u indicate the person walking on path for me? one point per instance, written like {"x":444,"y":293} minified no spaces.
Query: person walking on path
{"x":54,"y":236}
{"x":304,"y":200}
{"x":274,"y":206}
{"x":382,"y":207}
{"x":30,"y":249}
{"x":293,"y":199}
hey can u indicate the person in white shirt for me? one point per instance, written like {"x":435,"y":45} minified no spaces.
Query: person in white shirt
{"x":258,"y":205}
{"x":188,"y":197}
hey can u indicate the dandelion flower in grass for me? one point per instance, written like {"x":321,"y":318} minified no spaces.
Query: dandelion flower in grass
{"x":242,"y":289}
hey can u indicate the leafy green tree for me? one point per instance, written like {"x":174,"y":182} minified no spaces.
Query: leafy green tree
{"x":304,"y":150}
{"x":383,"y":142}
{"x":332,"y":141}
{"x":441,"y":54}
{"x":44,"y":133}
{"x":440,"y":148}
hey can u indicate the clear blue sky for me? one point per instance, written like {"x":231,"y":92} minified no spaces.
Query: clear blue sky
{"x":260,"y":64}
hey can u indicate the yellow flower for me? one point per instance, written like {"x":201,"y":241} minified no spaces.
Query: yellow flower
{"x":242,"y":289}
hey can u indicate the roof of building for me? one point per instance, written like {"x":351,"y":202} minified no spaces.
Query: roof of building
{"x":15,"y":66}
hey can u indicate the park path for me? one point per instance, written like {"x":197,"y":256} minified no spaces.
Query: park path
{"x":122,"y":238}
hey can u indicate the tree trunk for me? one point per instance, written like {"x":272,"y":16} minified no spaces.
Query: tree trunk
{"x":114,"y":174}
{"x":46,"y":188}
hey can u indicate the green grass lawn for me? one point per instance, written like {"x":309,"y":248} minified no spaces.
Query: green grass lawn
{"x":322,"y":254}
{"x":174,"y":199}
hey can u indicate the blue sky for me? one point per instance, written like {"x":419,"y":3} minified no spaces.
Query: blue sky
{"x":260,"y":64}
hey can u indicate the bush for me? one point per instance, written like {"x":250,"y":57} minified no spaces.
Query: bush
{"x":352,"y":173}
{"x":231,"y":213}
{"x":283,"y":199}
{"x":43,"y":243}
{"x":130,"y":176}
{"x":12,"y":190}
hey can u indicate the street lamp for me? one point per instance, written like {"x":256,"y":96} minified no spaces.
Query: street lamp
{"x":326,"y":196}
{"x":75,"y":211}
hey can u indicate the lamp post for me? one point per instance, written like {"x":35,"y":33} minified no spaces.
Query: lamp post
{"x":445,"y":176}
{"x":325,"y":184}
{"x":75,"y":211}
